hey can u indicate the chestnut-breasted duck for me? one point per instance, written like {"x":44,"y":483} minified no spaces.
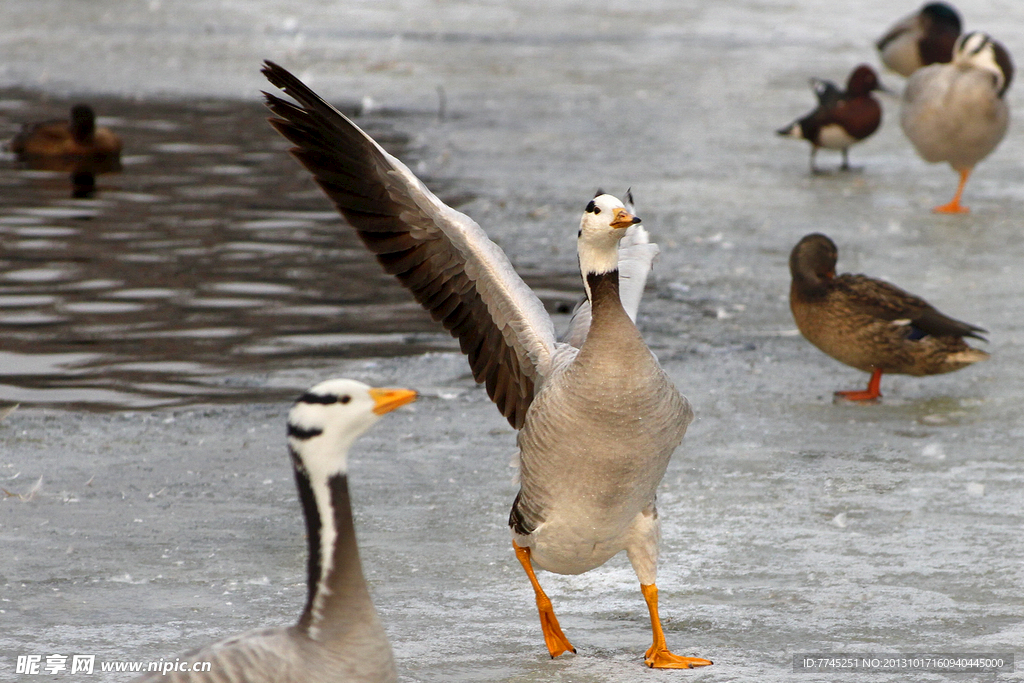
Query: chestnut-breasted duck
{"x":842,"y":118}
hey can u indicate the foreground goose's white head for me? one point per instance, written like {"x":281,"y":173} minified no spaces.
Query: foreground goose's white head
{"x":328,"y":418}
{"x":604,"y":223}
{"x":322,"y":426}
{"x":978,"y":50}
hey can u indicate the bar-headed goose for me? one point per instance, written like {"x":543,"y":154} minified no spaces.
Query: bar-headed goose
{"x":338,"y":636}
{"x":870,"y":324}
{"x":957,"y":112}
{"x":598,"y":420}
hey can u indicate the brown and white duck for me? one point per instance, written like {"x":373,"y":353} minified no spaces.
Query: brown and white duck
{"x":842,"y":117}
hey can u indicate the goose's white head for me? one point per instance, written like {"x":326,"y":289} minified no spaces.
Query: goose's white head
{"x":977,"y":50}
{"x":604,"y":223}
{"x":329,"y":417}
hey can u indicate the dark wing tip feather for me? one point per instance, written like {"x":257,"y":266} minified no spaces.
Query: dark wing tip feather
{"x":281,"y":78}
{"x":353,"y":172}
{"x":939,"y":324}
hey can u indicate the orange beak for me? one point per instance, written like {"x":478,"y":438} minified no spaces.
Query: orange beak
{"x":386,"y":400}
{"x":624,"y":219}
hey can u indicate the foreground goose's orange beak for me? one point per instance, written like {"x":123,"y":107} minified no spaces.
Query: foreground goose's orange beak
{"x":624,"y":219}
{"x":386,"y":400}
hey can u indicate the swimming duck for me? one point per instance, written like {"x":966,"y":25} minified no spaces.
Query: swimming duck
{"x":919,"y":39}
{"x":338,"y":636}
{"x":597,"y":422}
{"x":842,"y":118}
{"x":957,"y":112}
{"x":78,"y":136}
{"x":870,"y":324}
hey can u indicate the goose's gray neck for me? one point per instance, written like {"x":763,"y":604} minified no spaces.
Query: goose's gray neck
{"x":606,"y":306}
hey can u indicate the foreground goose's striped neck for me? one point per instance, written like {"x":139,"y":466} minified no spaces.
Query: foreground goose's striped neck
{"x":322,"y":426}
{"x":334,"y":572}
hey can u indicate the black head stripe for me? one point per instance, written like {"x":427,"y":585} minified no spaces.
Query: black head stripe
{"x":321,"y":399}
{"x":1005,"y":63}
{"x":303,"y":433}
{"x":592,"y":207}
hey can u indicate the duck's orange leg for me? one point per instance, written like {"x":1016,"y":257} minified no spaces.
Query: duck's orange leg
{"x":658,"y":655}
{"x":553,"y":637}
{"x":955,"y":206}
{"x":870,"y":394}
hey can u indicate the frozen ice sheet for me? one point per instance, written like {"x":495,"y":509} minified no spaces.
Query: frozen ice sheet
{"x":790,"y":525}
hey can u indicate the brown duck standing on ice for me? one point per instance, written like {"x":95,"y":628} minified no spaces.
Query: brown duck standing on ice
{"x":870,"y":324}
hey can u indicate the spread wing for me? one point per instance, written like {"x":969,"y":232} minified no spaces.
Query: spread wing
{"x":442,"y":256}
{"x":888,"y":302}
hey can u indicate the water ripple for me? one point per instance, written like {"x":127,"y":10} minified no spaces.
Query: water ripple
{"x":165,"y":285}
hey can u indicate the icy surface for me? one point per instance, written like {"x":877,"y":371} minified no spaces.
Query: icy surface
{"x":790,"y":524}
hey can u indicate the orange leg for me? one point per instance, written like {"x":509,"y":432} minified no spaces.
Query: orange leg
{"x":955,"y":206}
{"x":553,"y":637}
{"x":658,"y":655}
{"x":870,"y":394}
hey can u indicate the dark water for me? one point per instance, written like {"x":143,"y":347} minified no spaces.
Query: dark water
{"x":209,"y":257}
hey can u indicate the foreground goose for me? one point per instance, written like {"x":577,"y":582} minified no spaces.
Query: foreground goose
{"x":870,"y":324}
{"x":922,"y":38}
{"x":598,"y":417}
{"x":338,"y":636}
{"x":842,"y":118}
{"x":957,"y":112}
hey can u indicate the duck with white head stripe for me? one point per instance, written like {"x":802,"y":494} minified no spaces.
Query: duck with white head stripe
{"x":338,"y":636}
